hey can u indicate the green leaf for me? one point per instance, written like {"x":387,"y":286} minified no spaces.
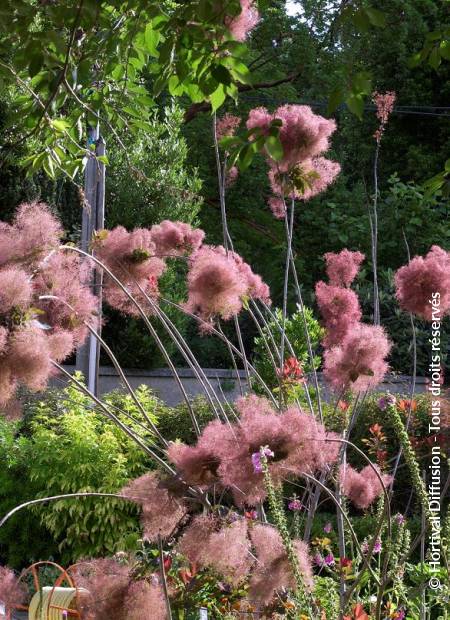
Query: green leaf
{"x":152,"y":38}
{"x":35,"y":65}
{"x":335,"y":99}
{"x":444,"y":50}
{"x":361,"y":20}
{"x":274,"y":147}
{"x":221,"y":74}
{"x":60,"y":124}
{"x":355,"y":104}
{"x":434,"y":59}
{"x":217,"y":97}
{"x":376,"y":17}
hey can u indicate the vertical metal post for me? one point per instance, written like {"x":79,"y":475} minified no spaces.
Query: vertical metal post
{"x":93,"y":218}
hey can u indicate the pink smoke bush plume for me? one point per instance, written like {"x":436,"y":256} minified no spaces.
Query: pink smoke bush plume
{"x":343,"y":268}
{"x":145,"y":600}
{"x":219,"y":282}
{"x":224,"y":452}
{"x":302,"y":173}
{"x":359,"y":362}
{"x":419,"y":282}
{"x":278,"y":207}
{"x":33,"y":233}
{"x":364,"y":487}
{"x":106,"y":584}
{"x":175,"y":239}
{"x":272,"y":571}
{"x":45,"y":300}
{"x":303,"y":134}
{"x":222,"y":545}
{"x":161,"y":509}
{"x":340,"y":311}
{"x":227,"y":125}
{"x":384,"y":103}
{"x":12,"y":592}
{"x":241,"y":25}
{"x":131,"y":258}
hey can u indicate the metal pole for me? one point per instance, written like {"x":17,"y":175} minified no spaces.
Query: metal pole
{"x":93,"y":218}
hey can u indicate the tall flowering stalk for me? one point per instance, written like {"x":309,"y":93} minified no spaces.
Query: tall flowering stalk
{"x":279,"y":517}
{"x":384,"y":106}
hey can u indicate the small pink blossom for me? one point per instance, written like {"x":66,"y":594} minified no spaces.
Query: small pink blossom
{"x":385,"y":104}
{"x":327,"y":528}
{"x":295,"y":505}
{"x":173,"y":239}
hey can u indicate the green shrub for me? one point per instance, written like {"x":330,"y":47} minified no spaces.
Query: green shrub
{"x":295,"y":332}
{"x":64,"y":445}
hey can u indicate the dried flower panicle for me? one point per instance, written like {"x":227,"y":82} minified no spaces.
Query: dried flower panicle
{"x":45,"y":301}
{"x":364,"y":487}
{"x":220,"y":282}
{"x":241,"y":25}
{"x":227,"y":125}
{"x":272,"y":571}
{"x":174,"y":239}
{"x":423,"y":279}
{"x":343,"y":267}
{"x":162,"y":509}
{"x":359,"y":362}
{"x":12,"y":591}
{"x":145,"y":600}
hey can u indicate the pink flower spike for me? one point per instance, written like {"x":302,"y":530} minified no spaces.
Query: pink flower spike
{"x":295,"y":505}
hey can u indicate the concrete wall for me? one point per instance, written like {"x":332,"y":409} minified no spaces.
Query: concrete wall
{"x":225,"y":382}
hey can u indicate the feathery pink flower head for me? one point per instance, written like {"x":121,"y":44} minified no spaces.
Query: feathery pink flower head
{"x":423,"y":279}
{"x":340,"y":310}
{"x":219,"y":282}
{"x":35,"y":231}
{"x":241,"y":25}
{"x":15,"y":289}
{"x":305,"y":180}
{"x":343,"y":267}
{"x":162,"y":509}
{"x":277,"y":206}
{"x":12,"y":592}
{"x":218,"y":544}
{"x":272,"y":572}
{"x":298,"y":443}
{"x":145,"y":600}
{"x":359,"y":362}
{"x":227,"y":125}
{"x":385,"y":105}
{"x":105,"y":584}
{"x":364,"y":487}
{"x":175,"y":238}
{"x":303,"y":134}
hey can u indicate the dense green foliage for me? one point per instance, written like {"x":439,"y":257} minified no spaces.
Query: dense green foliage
{"x":64,"y":446}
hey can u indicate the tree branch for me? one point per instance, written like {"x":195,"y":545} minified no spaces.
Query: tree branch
{"x":205,"y":106}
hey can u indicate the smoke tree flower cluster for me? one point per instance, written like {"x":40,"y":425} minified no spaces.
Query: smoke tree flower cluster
{"x":355,"y":353}
{"x":241,"y":25}
{"x":384,"y":103}
{"x":424,"y":277}
{"x":219,"y":282}
{"x":12,"y":592}
{"x":362,"y":488}
{"x":45,"y":301}
{"x":110,"y":590}
{"x":47,"y":305}
{"x":302,"y":172}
